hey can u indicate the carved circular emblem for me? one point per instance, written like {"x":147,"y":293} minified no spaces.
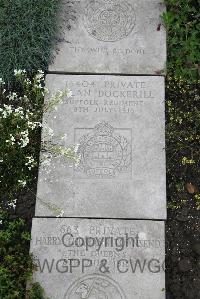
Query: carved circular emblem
{"x":103,"y":153}
{"x":95,"y":286}
{"x":109,"y":20}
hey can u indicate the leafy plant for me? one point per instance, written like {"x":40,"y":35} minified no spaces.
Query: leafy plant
{"x":15,"y":263}
{"x":20,"y":118}
{"x":183,"y":27}
{"x":20,"y":124}
{"x":36,"y":292}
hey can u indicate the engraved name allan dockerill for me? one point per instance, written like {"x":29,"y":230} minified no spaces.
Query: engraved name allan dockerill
{"x":104,"y":152}
{"x":95,"y":287}
{"x":109,"y":20}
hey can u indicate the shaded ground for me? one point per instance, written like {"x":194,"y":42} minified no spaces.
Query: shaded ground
{"x":183,"y":254}
{"x":26,"y":205}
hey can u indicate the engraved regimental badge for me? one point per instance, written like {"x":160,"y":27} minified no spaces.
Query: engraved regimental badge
{"x":109,"y":20}
{"x":104,"y":152}
{"x":95,"y":287}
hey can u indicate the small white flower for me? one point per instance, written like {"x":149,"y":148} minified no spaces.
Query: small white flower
{"x":76,"y":148}
{"x":8,"y":108}
{"x":1,"y":81}
{"x":40,"y":74}
{"x":25,"y":98}
{"x":12,"y":204}
{"x":19,"y":72}
{"x":38,"y":124}
{"x":64,"y":136}
{"x":24,"y":140}
{"x":19,"y":112}
{"x":32,"y":125}
{"x":4,"y":114}
{"x":12,"y":96}
{"x":24,"y":133}
{"x":27,"y":81}
{"x":60,"y":214}
{"x":30,"y":162}
{"x":39,"y":86}
{"x":22,"y":183}
{"x":69,"y":93}
{"x":78,"y":160}
{"x":11,"y":140}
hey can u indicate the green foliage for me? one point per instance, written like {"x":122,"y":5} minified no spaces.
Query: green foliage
{"x":182,"y":101}
{"x":16,"y":266}
{"x":27,"y":32}
{"x":36,"y":292}
{"x":20,"y":124}
{"x":20,"y":117}
{"x":183,"y":28}
{"x":15,"y":263}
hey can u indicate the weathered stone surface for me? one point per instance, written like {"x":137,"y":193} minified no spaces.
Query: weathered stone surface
{"x":99,"y":259}
{"x":111,"y":36}
{"x":118,"y":123}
